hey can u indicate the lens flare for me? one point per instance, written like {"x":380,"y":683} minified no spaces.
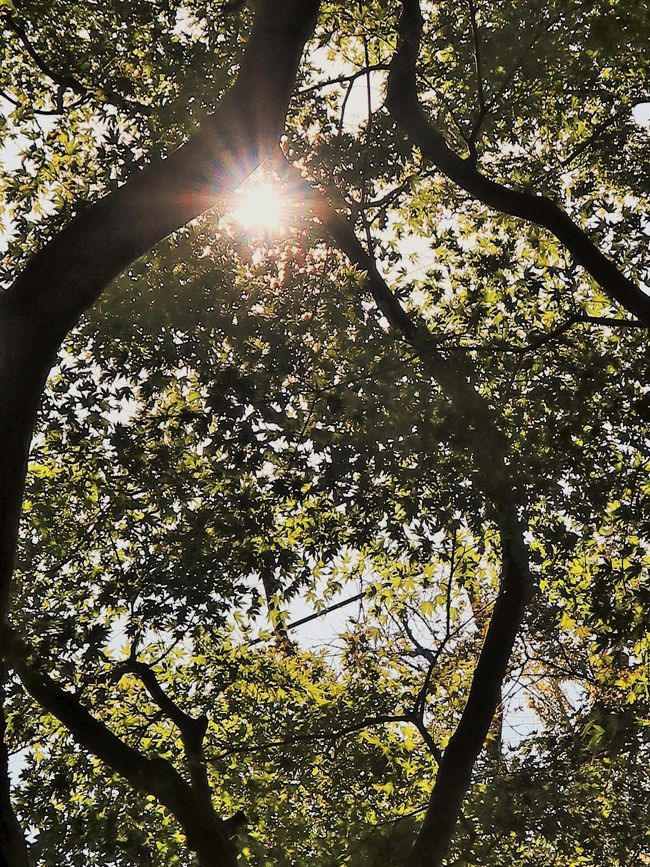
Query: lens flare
{"x":259,"y":208}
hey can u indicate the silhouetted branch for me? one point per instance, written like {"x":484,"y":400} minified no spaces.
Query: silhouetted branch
{"x":206,"y":833}
{"x":478,"y":65}
{"x":404,"y":105}
{"x":192,"y":729}
{"x":67,"y":81}
{"x":368,"y":722}
{"x":490,"y":452}
{"x":496,"y":95}
{"x":343,"y":79}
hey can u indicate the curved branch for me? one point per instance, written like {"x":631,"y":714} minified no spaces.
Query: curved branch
{"x":67,"y":81}
{"x":192,"y":729}
{"x":403,"y":103}
{"x":490,"y":452}
{"x":67,"y":276}
{"x":207,"y":835}
{"x":497,"y":94}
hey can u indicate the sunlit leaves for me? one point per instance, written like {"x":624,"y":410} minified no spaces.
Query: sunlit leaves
{"x":233,"y":438}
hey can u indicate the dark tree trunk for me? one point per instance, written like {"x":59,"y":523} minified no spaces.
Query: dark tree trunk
{"x":67,"y":276}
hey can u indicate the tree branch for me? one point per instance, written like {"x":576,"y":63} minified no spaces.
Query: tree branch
{"x":593,"y":137}
{"x":343,"y":79}
{"x":67,"y":81}
{"x":78,"y":263}
{"x":192,"y":729}
{"x":70,"y":272}
{"x":490,"y":452}
{"x":478,"y":65}
{"x":44,"y":112}
{"x":296,"y":623}
{"x":550,"y":336}
{"x":13,"y":847}
{"x":432,"y":746}
{"x":207,"y":835}
{"x":404,"y":105}
{"x":496,"y":95}
{"x":368,"y":722}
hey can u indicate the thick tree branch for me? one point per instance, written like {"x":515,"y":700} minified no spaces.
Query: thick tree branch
{"x":71,"y":271}
{"x":192,"y":729}
{"x":403,"y":103}
{"x":489,"y":449}
{"x":13,"y":847}
{"x":68,"y":274}
{"x":207,"y":835}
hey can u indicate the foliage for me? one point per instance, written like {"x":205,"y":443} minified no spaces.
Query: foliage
{"x":233,"y":437}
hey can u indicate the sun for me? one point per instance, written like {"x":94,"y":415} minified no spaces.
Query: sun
{"x":259,"y":207}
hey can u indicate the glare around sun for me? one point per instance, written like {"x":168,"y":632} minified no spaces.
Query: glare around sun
{"x":259,"y":207}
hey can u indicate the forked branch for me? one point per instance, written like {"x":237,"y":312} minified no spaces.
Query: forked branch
{"x":490,"y":452}
{"x":404,"y":105}
{"x":70,"y":272}
{"x":192,"y":729}
{"x":207,"y":835}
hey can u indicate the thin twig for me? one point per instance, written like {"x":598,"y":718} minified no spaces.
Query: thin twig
{"x":478,"y":65}
{"x":317,"y":736}
{"x":343,"y":79}
{"x":496,"y":95}
{"x":42,"y":111}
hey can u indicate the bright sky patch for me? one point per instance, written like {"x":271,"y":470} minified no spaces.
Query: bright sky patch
{"x":259,"y":207}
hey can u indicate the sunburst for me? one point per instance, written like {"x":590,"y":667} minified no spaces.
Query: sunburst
{"x":259,"y":207}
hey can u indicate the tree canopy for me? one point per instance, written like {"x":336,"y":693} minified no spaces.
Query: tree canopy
{"x":324,"y":494}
